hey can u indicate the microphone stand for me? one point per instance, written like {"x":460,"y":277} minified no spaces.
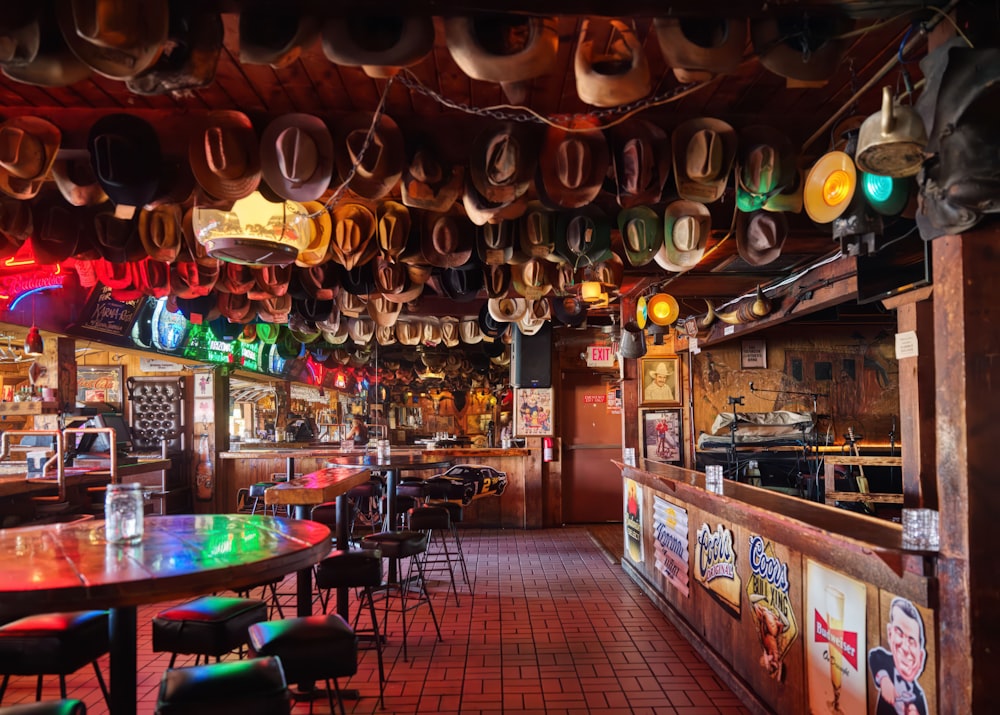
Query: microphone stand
{"x":732,"y":456}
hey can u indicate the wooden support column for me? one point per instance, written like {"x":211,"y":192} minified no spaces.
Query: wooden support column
{"x":967,"y":365}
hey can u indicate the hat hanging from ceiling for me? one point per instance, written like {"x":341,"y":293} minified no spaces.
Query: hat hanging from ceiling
{"x":225,"y":156}
{"x":503,"y":47}
{"x":789,"y":199}
{"x":502,"y":161}
{"x":76,"y":181}
{"x":506,"y":310}
{"x":765,"y":166}
{"x":609,"y":273}
{"x":15,"y":220}
{"x":449,"y":331}
{"x":409,"y":332}
{"x":393,"y":229}
{"x":117,"y":239}
{"x":270,"y":281}
{"x":583,"y":237}
{"x":430,"y":183}
{"x":255,"y":231}
{"x":573,"y":164}
{"x":48,"y":62}
{"x":640,"y":160}
{"x":803,"y":47}
{"x":699,"y":48}
{"x":56,"y":228}
{"x":469,"y":330}
{"x":386,"y":335}
{"x":393,"y":281}
{"x":235,"y":308}
{"x":275,"y":34}
{"x":190,"y":53}
{"x":20,"y":34}
{"x":760,"y":236}
{"x":318,"y":281}
{"x":642,"y":234}
{"x":445,"y":240}
{"x":686,"y":226}
{"x":530,"y":279}
{"x":497,"y":279}
{"x":379,"y":43}
{"x":431,"y":337}
{"x":28,"y":147}
{"x":536,"y":235}
{"x":116,"y":39}
{"x":296,"y":156}
{"x":462,"y":283}
{"x":565,"y":278}
{"x":125,"y":156}
{"x":619,"y":75}
{"x":570,"y":310}
{"x":320,"y":233}
{"x":495,"y":242}
{"x":353,"y":242}
{"x":535,"y":316}
{"x":160,"y":231}
{"x":704,"y":151}
{"x":482,"y":211}
{"x":380,"y":168}
{"x":382,"y":311}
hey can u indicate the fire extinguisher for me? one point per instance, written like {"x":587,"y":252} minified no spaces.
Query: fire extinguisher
{"x":547,"y":449}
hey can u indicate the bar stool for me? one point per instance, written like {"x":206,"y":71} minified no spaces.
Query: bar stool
{"x":310,"y":648}
{"x":53,"y":644}
{"x":447,"y":494}
{"x":49,"y":707}
{"x":207,"y":626}
{"x":257,"y":493}
{"x":250,"y":687}
{"x":401,"y":545}
{"x":356,"y":569}
{"x":365,"y":502}
{"x":434,"y":520}
{"x":268,"y":593}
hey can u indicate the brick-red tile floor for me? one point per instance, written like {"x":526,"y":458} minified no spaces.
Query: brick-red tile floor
{"x":551,"y":628}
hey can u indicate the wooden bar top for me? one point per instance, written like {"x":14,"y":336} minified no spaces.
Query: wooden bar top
{"x":316,"y":487}
{"x":334,"y":451}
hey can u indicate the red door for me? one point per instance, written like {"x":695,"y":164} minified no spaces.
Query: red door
{"x":591,"y":438}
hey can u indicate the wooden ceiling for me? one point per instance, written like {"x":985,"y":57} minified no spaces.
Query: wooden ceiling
{"x":752,"y":95}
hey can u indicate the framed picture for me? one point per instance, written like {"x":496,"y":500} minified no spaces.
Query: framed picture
{"x":533,"y":412}
{"x":100,"y":383}
{"x":660,"y":436}
{"x":753,"y":354}
{"x":204,"y":384}
{"x":659,"y":381}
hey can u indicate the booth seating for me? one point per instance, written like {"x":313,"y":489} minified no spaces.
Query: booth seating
{"x":207,"y":626}
{"x":436,"y":523}
{"x":310,"y":648}
{"x":361,"y":569}
{"x":249,"y":687}
{"x":48,"y":707}
{"x":402,"y":545}
{"x":53,"y":644}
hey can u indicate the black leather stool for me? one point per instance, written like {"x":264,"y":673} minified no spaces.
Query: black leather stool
{"x":437,"y":557}
{"x":49,"y":707}
{"x":249,"y":687}
{"x":53,"y":644}
{"x":310,"y":648}
{"x":356,"y":569}
{"x":206,"y":626}
{"x":257,"y":494}
{"x":455,"y":516}
{"x":401,"y":545}
{"x":365,"y":501}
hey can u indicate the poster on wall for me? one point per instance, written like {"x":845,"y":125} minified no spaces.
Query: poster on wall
{"x":902,"y":665}
{"x":204,"y":383}
{"x":661,"y":435}
{"x":633,"y":521}
{"x":715,"y":566}
{"x":533,"y":412}
{"x":835,"y":646}
{"x":770,"y":604}
{"x":670,"y":541}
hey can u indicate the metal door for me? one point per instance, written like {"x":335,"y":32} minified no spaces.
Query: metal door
{"x":591,"y":438}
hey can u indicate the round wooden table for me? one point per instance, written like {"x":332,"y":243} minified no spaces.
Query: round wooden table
{"x":70,"y":567}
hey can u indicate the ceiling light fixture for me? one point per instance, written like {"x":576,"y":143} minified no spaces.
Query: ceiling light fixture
{"x":33,"y":344}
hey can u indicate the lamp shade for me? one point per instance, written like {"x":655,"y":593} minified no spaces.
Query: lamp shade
{"x":830,"y":186}
{"x":255,"y":232}
{"x":663,"y":309}
{"x":33,"y":344}
{"x":591,"y":291}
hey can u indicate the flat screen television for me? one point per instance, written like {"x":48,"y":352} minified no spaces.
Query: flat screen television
{"x":901,"y":265}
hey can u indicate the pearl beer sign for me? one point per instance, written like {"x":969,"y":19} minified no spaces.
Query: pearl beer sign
{"x":715,"y":566}
{"x":770,"y":605}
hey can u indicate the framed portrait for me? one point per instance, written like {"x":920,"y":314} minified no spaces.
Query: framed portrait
{"x":533,"y":412}
{"x":100,"y":383}
{"x":659,"y":381}
{"x":660,"y":436}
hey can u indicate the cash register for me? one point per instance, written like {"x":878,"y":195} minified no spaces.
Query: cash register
{"x":93,"y":450}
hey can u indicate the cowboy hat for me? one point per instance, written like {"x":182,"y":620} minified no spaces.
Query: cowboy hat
{"x":394,"y":282}
{"x":704,"y":150}
{"x":224,"y":155}
{"x":642,"y":234}
{"x":429,"y":183}
{"x":570,"y":310}
{"x":566,"y":277}
{"x":20,"y":35}
{"x":431,"y":337}
{"x":497,"y":279}
{"x":28,"y":147}
{"x":608,"y":273}
{"x":385,"y":335}
{"x":699,"y":48}
{"x":235,"y":308}
{"x":393,"y":229}
{"x":409,"y":332}
{"x":75,"y":179}
{"x":573,"y":164}
{"x":461,"y":283}
{"x":760,"y":236}
{"x":660,"y":371}
{"x":117,"y":239}
{"x":318,"y":248}
{"x":274,"y":310}
{"x":505,"y":310}
{"x":502,"y":161}
{"x":506,"y":48}
{"x":536,"y":235}
{"x":618,"y":76}
{"x":125,"y":155}
{"x":800,"y":46}
{"x":359,"y":281}
{"x":530,"y":279}
{"x":495,"y":243}
{"x":275,"y":34}
{"x":381,"y":166}
{"x":583,"y":237}
{"x":382,"y":311}
{"x":56,"y":229}
{"x":482,"y":211}
{"x":351,"y":305}
{"x":492,"y":329}
{"x":160,"y":231}
{"x":686,"y":225}
{"x":353,"y":242}
{"x":296,"y":156}
{"x":640,"y":160}
{"x":190,"y":53}
{"x":270,"y":280}
{"x":52,"y":63}
{"x":445,"y":241}
{"x":765,"y":165}
{"x":378,"y":42}
{"x":469,"y":331}
{"x":116,"y":39}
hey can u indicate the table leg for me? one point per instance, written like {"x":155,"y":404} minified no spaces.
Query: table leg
{"x":391,"y":483}
{"x":290,"y":468}
{"x":122,"y":632}
{"x":303,"y":592}
{"x":343,"y":543}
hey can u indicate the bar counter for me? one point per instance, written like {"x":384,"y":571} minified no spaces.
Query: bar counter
{"x":747,"y":577}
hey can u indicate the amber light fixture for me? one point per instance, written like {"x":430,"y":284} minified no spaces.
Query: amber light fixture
{"x":33,"y":344}
{"x":662,"y":309}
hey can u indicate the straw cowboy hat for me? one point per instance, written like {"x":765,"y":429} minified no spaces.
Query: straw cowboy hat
{"x":698,"y":49}
{"x":51,"y":63}
{"x":379,"y":170}
{"x":393,"y":229}
{"x":640,"y":159}
{"x":225,"y":155}
{"x":495,"y":243}
{"x":502,"y":161}
{"x":765,"y":166}
{"x":296,"y":156}
{"x":352,"y":243}
{"x":760,"y":236}
{"x":445,"y":241}
{"x":318,"y":248}
{"x":565,"y":278}
{"x":642,"y":234}
{"x":506,"y":310}
{"x":190,"y":53}
{"x":275,"y":34}
{"x":481,"y":211}
{"x":382,"y":311}
{"x":686,"y":225}
{"x":660,"y":371}
{"x":116,"y":39}
{"x":409,"y":332}
{"x":704,"y":150}
{"x":393,"y":280}
{"x":531,"y":279}
{"x":125,"y":156}
{"x":160,"y":231}
{"x":618,"y":76}
{"x":28,"y":147}
{"x":428,"y":182}
{"x":583,"y":237}
{"x":573,"y":164}
{"x":379,"y":43}
{"x":469,"y":331}
{"x":801,"y":47}
{"x":506,"y":48}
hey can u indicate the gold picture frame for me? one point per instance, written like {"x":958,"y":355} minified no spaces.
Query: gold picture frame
{"x":659,"y":381}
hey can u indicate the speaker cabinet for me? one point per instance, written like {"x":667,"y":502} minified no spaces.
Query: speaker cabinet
{"x":531,"y":358}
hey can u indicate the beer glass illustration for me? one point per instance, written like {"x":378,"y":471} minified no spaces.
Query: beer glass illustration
{"x":835,"y":622}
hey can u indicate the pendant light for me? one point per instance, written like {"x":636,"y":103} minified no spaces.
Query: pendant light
{"x":33,"y":344}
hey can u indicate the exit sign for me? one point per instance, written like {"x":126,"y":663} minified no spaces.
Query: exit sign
{"x":600,"y":356}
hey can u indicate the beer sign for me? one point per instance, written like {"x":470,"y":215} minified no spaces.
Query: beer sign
{"x":670,"y":532}
{"x":715,"y":566}
{"x":770,"y":605}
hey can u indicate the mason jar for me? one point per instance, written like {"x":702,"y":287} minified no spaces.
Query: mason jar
{"x":123,"y":513}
